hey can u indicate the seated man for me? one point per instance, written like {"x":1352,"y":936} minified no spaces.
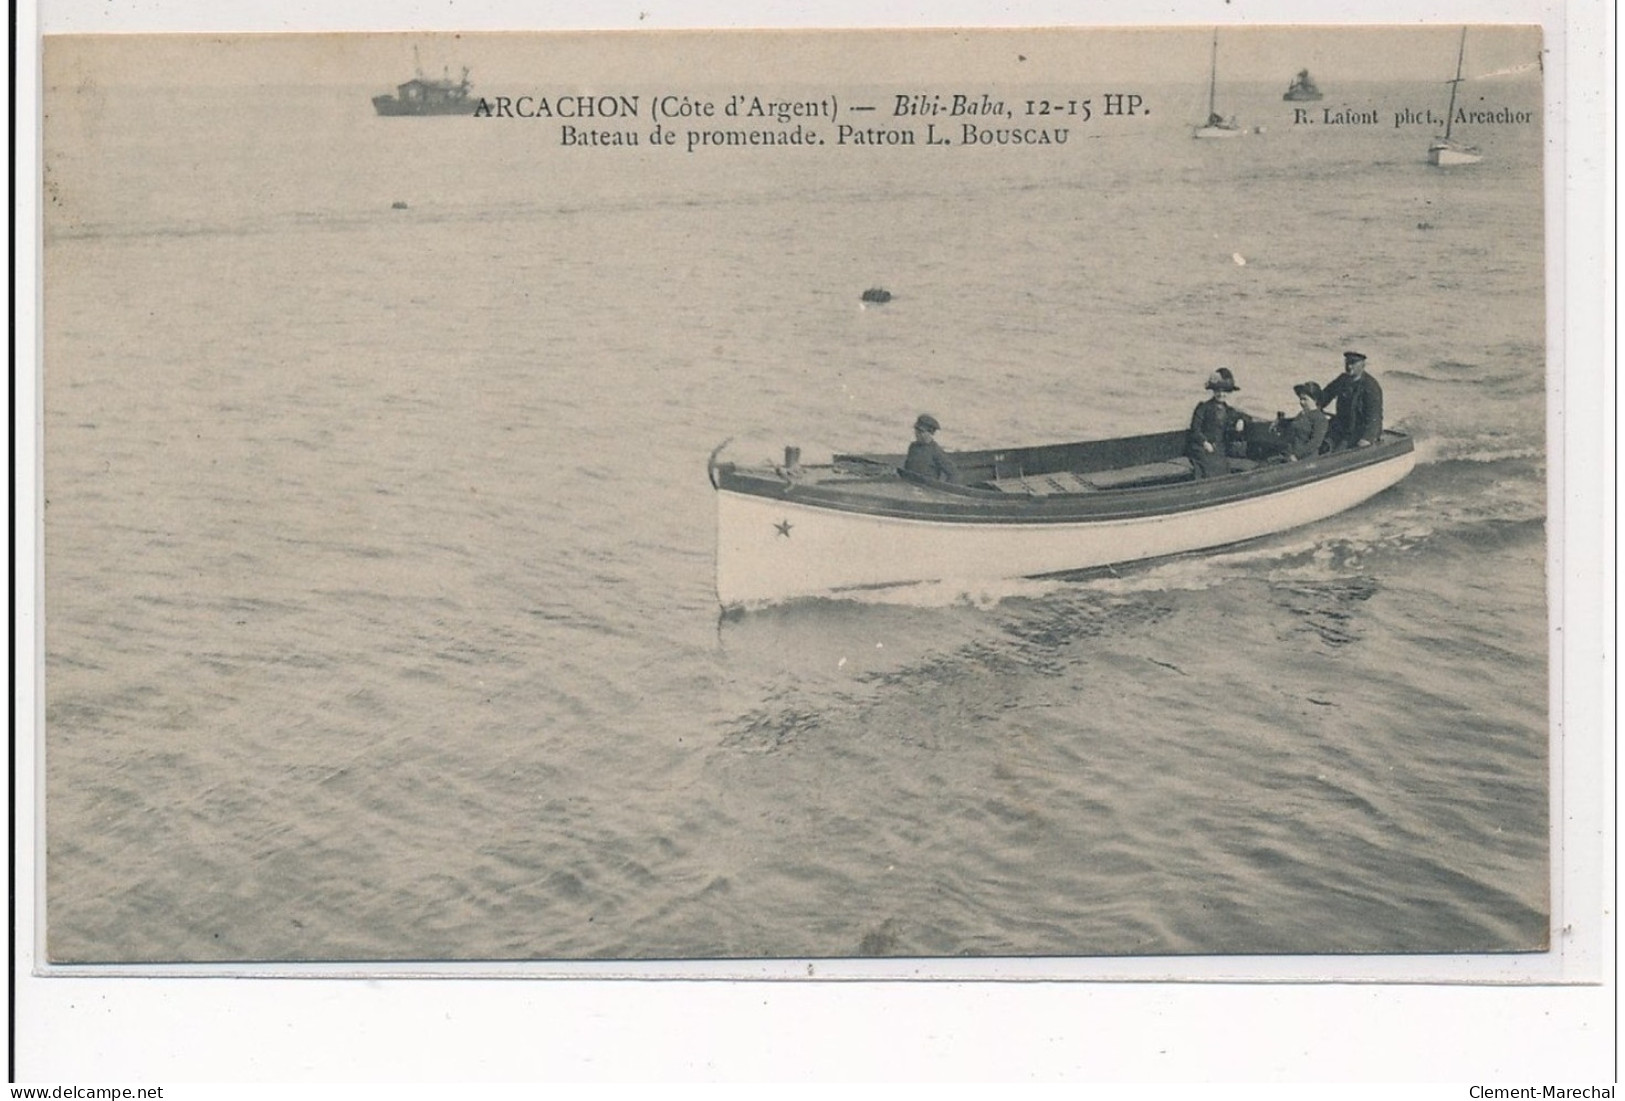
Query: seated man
{"x":925,"y":457}
{"x":1357,"y":421}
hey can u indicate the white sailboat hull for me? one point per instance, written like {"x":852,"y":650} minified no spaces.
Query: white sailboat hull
{"x":1443,"y":156}
{"x":1218,"y":132}
{"x":777,"y":549}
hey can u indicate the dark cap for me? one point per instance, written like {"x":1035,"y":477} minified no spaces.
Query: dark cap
{"x":927,"y":422}
{"x":1309,"y":390}
{"x":1353,"y":357}
{"x":1222,"y":381}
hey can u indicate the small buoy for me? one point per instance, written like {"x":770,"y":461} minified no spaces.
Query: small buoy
{"x":877,"y":294}
{"x":397,"y":205}
{"x":1241,"y":261}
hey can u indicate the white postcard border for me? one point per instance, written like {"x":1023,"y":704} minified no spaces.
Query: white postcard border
{"x":85,"y":1024}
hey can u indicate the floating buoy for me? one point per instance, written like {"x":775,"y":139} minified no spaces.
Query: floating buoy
{"x":877,"y":294}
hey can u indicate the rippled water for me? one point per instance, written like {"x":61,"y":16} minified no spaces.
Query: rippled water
{"x":379,"y":607}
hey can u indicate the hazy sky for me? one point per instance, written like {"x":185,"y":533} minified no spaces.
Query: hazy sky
{"x":596,"y":59}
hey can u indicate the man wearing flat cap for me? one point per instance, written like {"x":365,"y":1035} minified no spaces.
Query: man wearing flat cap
{"x":925,"y":457}
{"x":1357,"y":421}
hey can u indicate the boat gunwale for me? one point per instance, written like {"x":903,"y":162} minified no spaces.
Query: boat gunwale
{"x":962,"y":504}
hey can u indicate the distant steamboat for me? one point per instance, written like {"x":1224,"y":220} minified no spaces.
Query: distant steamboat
{"x":426,"y":96}
{"x":1302,"y":89}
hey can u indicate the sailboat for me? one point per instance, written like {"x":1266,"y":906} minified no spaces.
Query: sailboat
{"x":1216,"y":125}
{"x":1446,"y":151}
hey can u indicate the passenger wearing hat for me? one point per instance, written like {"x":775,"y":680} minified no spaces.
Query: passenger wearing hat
{"x":1357,"y":421}
{"x":1288,"y":439}
{"x":1213,"y":426}
{"x":925,"y":457}
{"x":1307,"y":431}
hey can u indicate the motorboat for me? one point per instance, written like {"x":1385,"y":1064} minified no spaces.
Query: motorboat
{"x":860,"y":522}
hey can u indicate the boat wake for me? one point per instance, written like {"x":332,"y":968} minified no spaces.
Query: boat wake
{"x":1471,"y":500}
{"x":1483,"y":449}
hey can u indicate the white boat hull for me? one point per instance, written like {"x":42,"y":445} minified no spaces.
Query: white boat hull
{"x":1218,"y":132}
{"x":1443,"y":156}
{"x":770,"y":550}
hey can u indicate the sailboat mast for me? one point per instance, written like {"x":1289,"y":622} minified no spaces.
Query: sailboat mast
{"x":1213,"y":77}
{"x":1449,"y":116}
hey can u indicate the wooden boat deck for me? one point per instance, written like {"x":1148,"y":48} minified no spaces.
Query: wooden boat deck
{"x":1166,"y":472}
{"x":876,"y":477}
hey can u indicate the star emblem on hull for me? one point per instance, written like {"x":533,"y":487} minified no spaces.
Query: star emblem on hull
{"x":783,"y":528}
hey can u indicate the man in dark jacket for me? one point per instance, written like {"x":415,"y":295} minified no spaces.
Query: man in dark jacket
{"x":925,"y":457}
{"x":1357,"y":422}
{"x":1213,"y":425}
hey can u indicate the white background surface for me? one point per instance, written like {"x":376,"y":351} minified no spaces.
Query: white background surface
{"x":83,"y":1029}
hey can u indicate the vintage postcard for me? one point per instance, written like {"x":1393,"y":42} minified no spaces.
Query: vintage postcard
{"x":965,"y":503}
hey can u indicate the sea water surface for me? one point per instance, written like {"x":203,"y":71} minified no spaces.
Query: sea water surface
{"x":379,"y":607}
